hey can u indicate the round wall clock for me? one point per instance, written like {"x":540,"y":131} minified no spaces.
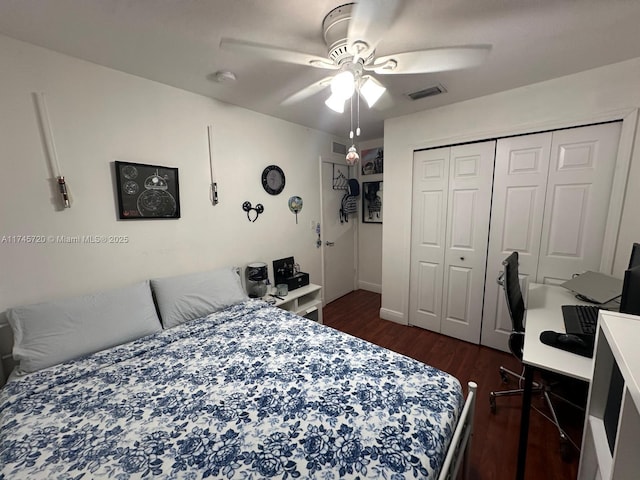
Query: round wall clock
{"x":273,"y":180}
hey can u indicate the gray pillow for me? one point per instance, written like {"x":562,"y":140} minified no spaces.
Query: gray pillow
{"x":46,"y":334}
{"x":196,"y":295}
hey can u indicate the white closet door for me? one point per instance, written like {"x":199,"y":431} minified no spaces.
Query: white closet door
{"x":428,"y":233}
{"x":550,"y":203}
{"x":469,"y":205}
{"x":578,"y":192}
{"x":519,"y":189}
{"x":450,"y":213}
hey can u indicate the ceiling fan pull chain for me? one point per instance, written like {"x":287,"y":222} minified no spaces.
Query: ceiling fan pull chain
{"x":358,"y":105}
{"x":352,"y":154}
{"x":351,"y":118}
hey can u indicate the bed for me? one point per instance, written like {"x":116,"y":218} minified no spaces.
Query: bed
{"x":248,"y":391}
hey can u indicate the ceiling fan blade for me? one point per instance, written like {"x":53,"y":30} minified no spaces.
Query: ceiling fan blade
{"x":369,"y":22}
{"x":307,"y":91}
{"x":429,"y":61}
{"x":277,"y":53}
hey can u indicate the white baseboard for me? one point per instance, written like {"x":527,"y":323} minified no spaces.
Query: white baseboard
{"x":393,"y":316}
{"x":370,"y":287}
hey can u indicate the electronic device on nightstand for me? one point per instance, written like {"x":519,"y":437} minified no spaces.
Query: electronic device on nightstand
{"x":287,"y":271}
{"x":256,"y":279}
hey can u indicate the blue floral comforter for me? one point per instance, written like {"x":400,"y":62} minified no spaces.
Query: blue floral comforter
{"x":250,"y":392}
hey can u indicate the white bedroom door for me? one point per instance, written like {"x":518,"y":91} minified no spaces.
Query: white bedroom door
{"x":551,"y":200}
{"x":338,"y":238}
{"x":450,"y":223}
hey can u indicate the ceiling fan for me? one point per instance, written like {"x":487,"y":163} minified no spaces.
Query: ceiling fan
{"x":352,"y":33}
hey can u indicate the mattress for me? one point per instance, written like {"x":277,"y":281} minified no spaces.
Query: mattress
{"x":252,"y":391}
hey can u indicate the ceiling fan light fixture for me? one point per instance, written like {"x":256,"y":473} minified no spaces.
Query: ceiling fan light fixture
{"x":371,"y":90}
{"x":335,"y":103}
{"x":343,"y":84}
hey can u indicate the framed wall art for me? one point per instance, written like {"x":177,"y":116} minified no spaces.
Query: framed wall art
{"x":372,"y":161}
{"x":147,"y":191}
{"x":372,"y":202}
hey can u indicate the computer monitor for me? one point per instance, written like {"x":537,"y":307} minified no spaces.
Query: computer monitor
{"x":630,"y":301}
{"x":634,"y":261}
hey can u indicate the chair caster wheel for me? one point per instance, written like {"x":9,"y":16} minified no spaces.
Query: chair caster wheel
{"x":492,"y":403}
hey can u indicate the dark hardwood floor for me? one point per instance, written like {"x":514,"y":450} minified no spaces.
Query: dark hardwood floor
{"x":495,"y":441}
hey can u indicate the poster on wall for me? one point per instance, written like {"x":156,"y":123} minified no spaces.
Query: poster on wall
{"x":372,"y":161}
{"x":372,"y":202}
{"x":147,"y":191}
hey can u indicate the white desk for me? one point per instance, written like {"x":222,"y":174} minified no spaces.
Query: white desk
{"x":544,"y":312}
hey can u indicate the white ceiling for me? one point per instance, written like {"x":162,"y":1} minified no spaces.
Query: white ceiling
{"x":176,"y":42}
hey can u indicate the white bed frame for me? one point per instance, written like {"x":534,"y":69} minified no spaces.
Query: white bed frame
{"x":460,"y":447}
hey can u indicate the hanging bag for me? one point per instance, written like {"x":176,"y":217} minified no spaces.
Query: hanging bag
{"x":349,"y":204}
{"x":353,"y":187}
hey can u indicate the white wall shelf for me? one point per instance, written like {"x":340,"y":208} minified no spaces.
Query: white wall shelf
{"x":304,"y":301}
{"x":617,"y":345}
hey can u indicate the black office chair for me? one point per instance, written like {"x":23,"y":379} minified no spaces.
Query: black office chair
{"x":509,"y":280}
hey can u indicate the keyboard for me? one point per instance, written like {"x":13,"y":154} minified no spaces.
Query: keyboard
{"x":580,"y":319}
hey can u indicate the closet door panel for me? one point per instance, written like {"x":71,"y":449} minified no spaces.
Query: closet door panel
{"x":470,"y":178}
{"x":428,"y":276}
{"x":519,"y":190}
{"x":459,"y":294}
{"x":520,"y":205}
{"x":462,"y":215}
{"x":568,"y":205}
{"x":428,"y":234}
{"x":579,"y":188}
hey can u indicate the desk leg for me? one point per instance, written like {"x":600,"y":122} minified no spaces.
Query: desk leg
{"x":524,"y":422}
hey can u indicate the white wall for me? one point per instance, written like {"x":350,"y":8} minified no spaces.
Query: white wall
{"x":101,"y":115}
{"x":591,"y":96}
{"x":369,"y":235}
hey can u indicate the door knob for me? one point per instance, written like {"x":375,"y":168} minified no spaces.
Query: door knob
{"x":329,"y":244}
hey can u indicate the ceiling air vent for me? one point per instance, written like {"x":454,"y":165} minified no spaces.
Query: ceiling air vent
{"x":427,"y":92}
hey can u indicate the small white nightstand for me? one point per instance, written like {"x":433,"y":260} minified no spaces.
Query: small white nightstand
{"x":304,"y":301}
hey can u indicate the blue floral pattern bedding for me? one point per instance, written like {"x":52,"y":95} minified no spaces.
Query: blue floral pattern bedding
{"x":250,"y":392}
